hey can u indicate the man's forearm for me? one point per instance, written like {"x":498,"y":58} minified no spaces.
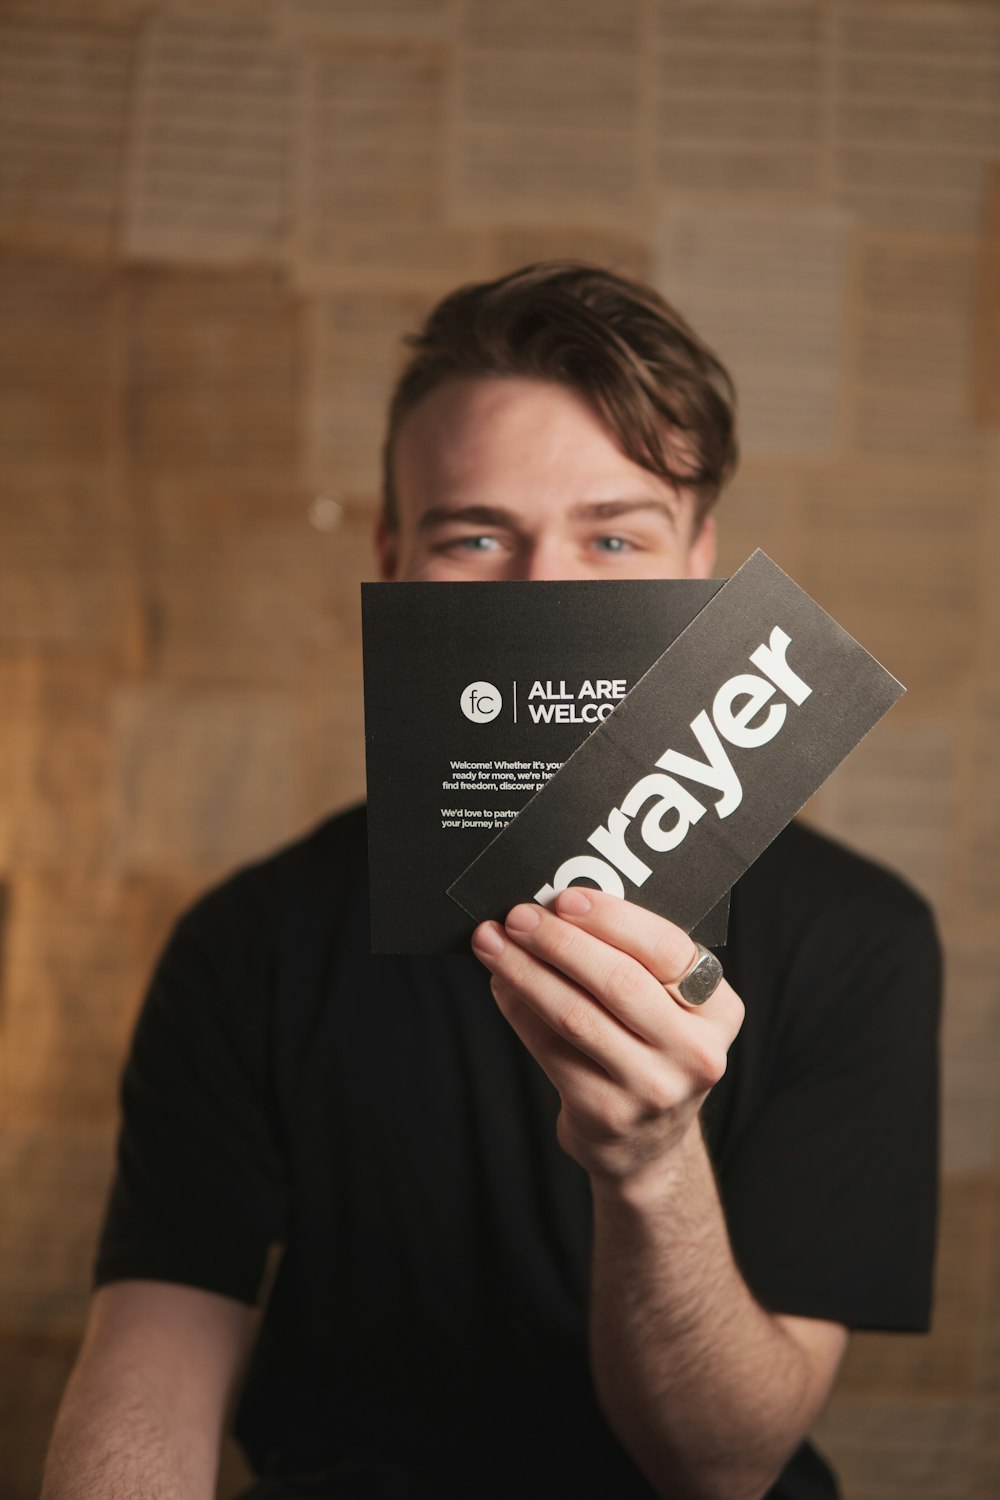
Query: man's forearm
{"x":708,"y":1392}
{"x":704,"y":1388}
{"x":142,"y":1415}
{"x":115,"y":1440}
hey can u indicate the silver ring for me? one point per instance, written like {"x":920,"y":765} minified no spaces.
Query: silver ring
{"x":702,"y":979}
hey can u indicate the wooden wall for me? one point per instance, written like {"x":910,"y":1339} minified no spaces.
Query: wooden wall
{"x":215,"y":223}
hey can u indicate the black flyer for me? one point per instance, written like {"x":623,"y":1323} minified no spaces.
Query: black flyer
{"x":475,"y":694}
{"x":676,"y":793}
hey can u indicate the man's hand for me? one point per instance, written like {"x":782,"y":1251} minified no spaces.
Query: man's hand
{"x":708,"y":1391}
{"x":584,"y":988}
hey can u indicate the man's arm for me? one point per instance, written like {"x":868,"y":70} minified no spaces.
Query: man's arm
{"x":143,"y":1411}
{"x":709,"y":1392}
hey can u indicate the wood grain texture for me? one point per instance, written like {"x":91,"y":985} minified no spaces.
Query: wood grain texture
{"x":78,"y":950}
{"x":205,"y":777}
{"x":986,"y":368}
{"x":212,"y":375}
{"x":53,"y":1181}
{"x":65,"y":88}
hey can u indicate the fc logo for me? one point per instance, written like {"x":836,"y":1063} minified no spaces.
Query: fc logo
{"x":481,"y":702}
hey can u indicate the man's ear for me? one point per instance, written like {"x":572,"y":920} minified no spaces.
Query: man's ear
{"x":701,"y":557}
{"x":386,"y":549}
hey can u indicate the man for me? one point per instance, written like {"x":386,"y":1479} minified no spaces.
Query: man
{"x":575,"y":1237}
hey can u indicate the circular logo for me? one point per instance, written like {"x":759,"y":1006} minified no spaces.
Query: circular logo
{"x":481,"y":702}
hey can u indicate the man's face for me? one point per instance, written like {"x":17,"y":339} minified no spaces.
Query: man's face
{"x":516,"y":478}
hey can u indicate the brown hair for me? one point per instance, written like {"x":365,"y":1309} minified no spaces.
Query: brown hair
{"x":617,"y":342}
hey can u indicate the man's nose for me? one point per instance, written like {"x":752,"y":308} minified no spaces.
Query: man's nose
{"x":547,"y":560}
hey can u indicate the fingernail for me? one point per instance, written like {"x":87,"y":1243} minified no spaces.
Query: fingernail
{"x":573,"y":903}
{"x":523,"y":918}
{"x":488,"y":940}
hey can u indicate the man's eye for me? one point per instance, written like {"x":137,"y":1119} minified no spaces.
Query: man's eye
{"x":612,"y":544}
{"x":474,"y":543}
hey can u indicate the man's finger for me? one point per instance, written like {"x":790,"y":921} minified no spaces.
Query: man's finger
{"x":576,"y":1011}
{"x":662,"y":949}
{"x":570,"y":1071}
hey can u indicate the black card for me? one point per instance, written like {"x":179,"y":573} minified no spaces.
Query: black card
{"x":474,"y":694}
{"x":735,"y":726}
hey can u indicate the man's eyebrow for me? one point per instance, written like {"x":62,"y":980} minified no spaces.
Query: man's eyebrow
{"x":586,"y":510}
{"x":607,"y":510}
{"x":470,"y":515}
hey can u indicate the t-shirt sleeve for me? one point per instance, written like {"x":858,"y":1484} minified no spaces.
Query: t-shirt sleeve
{"x":198,"y":1195}
{"x":831,"y":1191}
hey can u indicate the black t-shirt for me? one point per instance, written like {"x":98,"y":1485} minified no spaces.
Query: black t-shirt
{"x":376,"y":1115}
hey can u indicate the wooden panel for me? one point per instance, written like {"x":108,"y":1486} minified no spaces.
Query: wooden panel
{"x":34,"y":1369}
{"x":989,"y":1374}
{"x":207,"y":499}
{"x":520,"y":245}
{"x":378,"y":133}
{"x":547,"y":114}
{"x":782,"y":343}
{"x":986,"y":368}
{"x":971,"y":1049}
{"x":349,"y":558}
{"x":375,"y":138}
{"x":356,"y":352}
{"x":70,"y":11}
{"x":17,"y":691}
{"x":206,"y":777}
{"x":61,"y":814}
{"x":239,"y":603}
{"x":68,"y":574}
{"x":889,"y":1447}
{"x":57,"y":365}
{"x":916,"y":112}
{"x":532,"y":88}
{"x":740,"y":103}
{"x":78,"y":955}
{"x":888,"y":550}
{"x":65,"y":89}
{"x":65,"y":554}
{"x":53,"y":1183}
{"x":588,"y":26}
{"x":213,"y":375}
{"x":760,"y":508}
{"x":210,"y":178}
{"x":986,"y":1463}
{"x":390,"y":253}
{"x":986,"y":648}
{"x":980,"y":826}
{"x":910,"y":391}
{"x":895,"y":797}
{"x":334,"y":20}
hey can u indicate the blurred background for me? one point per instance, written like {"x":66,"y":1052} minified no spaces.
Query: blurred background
{"x":216,"y":223}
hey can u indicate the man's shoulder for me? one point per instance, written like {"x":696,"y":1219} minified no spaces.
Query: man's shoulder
{"x":833,"y":953}
{"x":310,"y":873}
{"x":332,"y":846}
{"x":802,"y":856}
{"x":806,"y":880}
